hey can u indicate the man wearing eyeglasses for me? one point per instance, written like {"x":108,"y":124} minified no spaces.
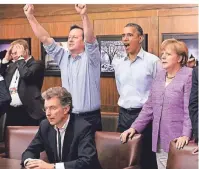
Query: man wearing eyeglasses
{"x":24,"y":78}
{"x":134,"y":75}
{"x":79,"y":65}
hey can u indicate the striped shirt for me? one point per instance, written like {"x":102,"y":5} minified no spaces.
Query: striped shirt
{"x":80,"y":75}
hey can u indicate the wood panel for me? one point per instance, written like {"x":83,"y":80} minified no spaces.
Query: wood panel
{"x":68,"y":9}
{"x":107,"y":20}
{"x":115,"y":27}
{"x":178,"y":24}
{"x":109,"y":95}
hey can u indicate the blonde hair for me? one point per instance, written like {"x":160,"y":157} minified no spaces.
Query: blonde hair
{"x":22,"y":42}
{"x":178,"y":46}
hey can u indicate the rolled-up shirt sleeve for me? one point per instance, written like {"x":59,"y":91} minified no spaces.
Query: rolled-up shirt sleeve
{"x":56,"y":52}
{"x":93,"y":53}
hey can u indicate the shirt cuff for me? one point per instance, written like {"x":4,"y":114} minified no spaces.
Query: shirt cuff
{"x":26,"y":161}
{"x":59,"y":166}
{"x":95,"y":43}
{"x":1,"y":78}
{"x":4,"y":61}
{"x":20,"y":58}
{"x":50,"y":46}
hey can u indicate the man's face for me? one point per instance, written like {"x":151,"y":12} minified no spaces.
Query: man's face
{"x":17,"y":51}
{"x":131,"y":40}
{"x":75,"y":41}
{"x":13,"y":53}
{"x":55,"y":112}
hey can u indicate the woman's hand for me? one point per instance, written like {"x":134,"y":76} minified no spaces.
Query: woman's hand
{"x":181,"y":142}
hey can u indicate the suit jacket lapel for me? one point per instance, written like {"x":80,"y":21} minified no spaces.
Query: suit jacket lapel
{"x":30,"y":61}
{"x":11,"y":70}
{"x":52,"y":137}
{"x":69,"y":134}
{"x":160,"y":83}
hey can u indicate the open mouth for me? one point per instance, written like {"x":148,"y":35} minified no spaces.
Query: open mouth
{"x":126,"y":44}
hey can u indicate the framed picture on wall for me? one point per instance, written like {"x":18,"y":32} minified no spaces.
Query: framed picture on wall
{"x":191,"y":40}
{"x":51,"y":67}
{"x":5,"y":44}
{"x":113,"y":51}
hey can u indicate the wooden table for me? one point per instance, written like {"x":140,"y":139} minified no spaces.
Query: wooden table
{"x":6,"y":163}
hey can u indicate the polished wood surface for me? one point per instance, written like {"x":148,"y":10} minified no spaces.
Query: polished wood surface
{"x":6,"y":163}
{"x":68,"y":9}
{"x":106,"y":20}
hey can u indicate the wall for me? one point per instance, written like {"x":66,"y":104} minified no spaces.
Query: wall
{"x":106,"y":20}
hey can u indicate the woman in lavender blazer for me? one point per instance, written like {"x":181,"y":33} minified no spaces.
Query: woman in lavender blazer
{"x":167,"y":105}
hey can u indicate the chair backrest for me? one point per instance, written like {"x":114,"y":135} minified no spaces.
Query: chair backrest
{"x":109,"y":121}
{"x":114,"y":155}
{"x":17,"y":140}
{"x":111,"y":153}
{"x":184,"y":158}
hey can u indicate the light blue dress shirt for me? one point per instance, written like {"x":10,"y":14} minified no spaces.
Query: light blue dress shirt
{"x":80,"y":75}
{"x":134,"y":78}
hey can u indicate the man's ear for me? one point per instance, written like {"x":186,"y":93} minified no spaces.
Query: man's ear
{"x":66,"y":109}
{"x":27,"y":52}
{"x":141,"y":39}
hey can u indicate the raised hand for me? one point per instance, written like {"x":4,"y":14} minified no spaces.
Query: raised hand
{"x":8,"y":56}
{"x":28,"y":9}
{"x":81,"y":8}
{"x":18,"y":51}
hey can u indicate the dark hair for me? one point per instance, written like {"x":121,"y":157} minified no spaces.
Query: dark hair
{"x":137,"y":27}
{"x":77,"y":27}
{"x":61,"y":93}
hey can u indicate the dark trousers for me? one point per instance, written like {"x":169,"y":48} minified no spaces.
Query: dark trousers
{"x":126,"y":118}
{"x":18,"y":116}
{"x":93,"y":117}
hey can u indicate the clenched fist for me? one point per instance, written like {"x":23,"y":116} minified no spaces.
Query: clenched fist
{"x":81,"y":8}
{"x":28,"y":9}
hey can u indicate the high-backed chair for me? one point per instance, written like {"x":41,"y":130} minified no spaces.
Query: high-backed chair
{"x":17,"y":140}
{"x":114,"y":155}
{"x":184,"y":158}
{"x":111,"y":153}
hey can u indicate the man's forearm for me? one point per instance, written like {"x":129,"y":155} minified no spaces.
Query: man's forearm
{"x":88,"y":30}
{"x":38,"y":30}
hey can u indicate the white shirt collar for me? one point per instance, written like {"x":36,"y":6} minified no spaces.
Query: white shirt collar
{"x":63,"y":128}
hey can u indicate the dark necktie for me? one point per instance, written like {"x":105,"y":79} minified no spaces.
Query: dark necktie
{"x":59,"y":144}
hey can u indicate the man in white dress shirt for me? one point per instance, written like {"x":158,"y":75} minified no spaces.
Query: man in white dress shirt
{"x":134,"y":75}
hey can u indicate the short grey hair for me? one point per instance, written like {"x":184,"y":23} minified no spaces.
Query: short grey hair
{"x":61,"y":93}
{"x":137,"y":27}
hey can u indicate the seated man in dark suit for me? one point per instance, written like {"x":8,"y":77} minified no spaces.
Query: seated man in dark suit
{"x":67,"y":141}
